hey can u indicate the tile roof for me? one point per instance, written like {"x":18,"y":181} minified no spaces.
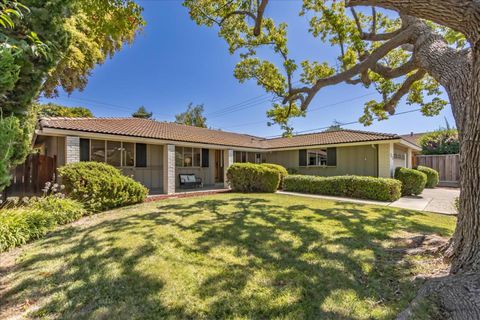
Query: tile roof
{"x":145,"y":128}
{"x":413,"y":137}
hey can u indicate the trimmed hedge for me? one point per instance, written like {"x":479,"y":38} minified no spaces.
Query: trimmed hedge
{"x":100,"y":186}
{"x":432,"y":176}
{"x":413,"y":181}
{"x":281,"y":171}
{"x":20,"y":225}
{"x":370,"y":188}
{"x":249,"y":177}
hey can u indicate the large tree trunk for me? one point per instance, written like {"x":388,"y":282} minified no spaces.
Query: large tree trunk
{"x":465,"y":244}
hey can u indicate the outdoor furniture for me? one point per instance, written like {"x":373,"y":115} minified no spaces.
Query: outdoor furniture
{"x":189,"y":181}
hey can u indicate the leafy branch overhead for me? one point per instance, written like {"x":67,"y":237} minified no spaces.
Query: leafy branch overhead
{"x":385,"y":50}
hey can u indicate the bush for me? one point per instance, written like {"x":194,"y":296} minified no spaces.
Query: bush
{"x":63,"y":210}
{"x":100,"y":186}
{"x":380,"y":189}
{"x":249,"y":177}
{"x":413,"y":181}
{"x":281,"y":171}
{"x":19,"y":225}
{"x":432,"y":176}
{"x":440,"y":142}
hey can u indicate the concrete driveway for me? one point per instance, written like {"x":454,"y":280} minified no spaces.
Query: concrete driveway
{"x":439,"y":200}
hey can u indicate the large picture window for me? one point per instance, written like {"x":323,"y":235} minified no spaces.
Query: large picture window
{"x":115,"y":153}
{"x":243,"y":156}
{"x":317,"y":157}
{"x":188,"y":157}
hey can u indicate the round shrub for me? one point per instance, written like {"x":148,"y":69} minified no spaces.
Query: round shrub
{"x":249,"y":177}
{"x":370,"y":188}
{"x":432,"y":176}
{"x":413,"y":181}
{"x":100,"y":186}
{"x":281,"y":171}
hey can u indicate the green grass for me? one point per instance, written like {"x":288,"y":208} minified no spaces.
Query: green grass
{"x":230,"y":256}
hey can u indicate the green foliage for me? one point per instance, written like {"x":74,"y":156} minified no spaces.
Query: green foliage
{"x":413,"y":181}
{"x":440,"y":142}
{"x":380,"y":189}
{"x":64,"y":210}
{"x":331,"y":23}
{"x":193,"y":116}
{"x":57,"y":43}
{"x":249,"y":177}
{"x":432,"y":176}
{"x":55,"y":110}
{"x":100,"y":186}
{"x":142,"y":113}
{"x":15,"y":138}
{"x":282,"y":172}
{"x":20,"y":225}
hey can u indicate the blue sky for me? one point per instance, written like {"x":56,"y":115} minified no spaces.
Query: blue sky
{"x":174,"y":62}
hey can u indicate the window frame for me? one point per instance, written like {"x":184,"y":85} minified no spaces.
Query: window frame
{"x":122,"y":152}
{"x":317,"y":155}
{"x":192,"y":156}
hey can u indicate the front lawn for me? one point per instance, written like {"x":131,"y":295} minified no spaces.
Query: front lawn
{"x":233,"y":256}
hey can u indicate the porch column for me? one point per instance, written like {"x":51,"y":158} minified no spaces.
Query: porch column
{"x":385,"y":160}
{"x":227,"y":162}
{"x":72,"y":152}
{"x":409,"y":158}
{"x":169,"y":169}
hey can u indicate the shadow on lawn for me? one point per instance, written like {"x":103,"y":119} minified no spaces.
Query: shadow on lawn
{"x":297,"y":258}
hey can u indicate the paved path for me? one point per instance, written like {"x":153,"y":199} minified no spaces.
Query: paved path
{"x":438,"y":200}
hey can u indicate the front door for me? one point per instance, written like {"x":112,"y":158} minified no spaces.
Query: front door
{"x":218,"y":166}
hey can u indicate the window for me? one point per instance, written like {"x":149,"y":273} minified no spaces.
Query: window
{"x":114,"y":153}
{"x":317,"y":157}
{"x":97,"y":150}
{"x":128,"y":154}
{"x":84,"y":149}
{"x":188,"y":157}
{"x":258,"y":158}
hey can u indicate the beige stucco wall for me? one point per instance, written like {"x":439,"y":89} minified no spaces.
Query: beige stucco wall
{"x":355,"y":160}
{"x":385,"y":160}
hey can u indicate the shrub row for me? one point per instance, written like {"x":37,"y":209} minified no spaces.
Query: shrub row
{"x":413,"y":181}
{"x":100,"y":186}
{"x":380,"y":189}
{"x":250,"y":177}
{"x":19,"y":225}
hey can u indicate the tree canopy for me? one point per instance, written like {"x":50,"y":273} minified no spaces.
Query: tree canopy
{"x":193,"y":116}
{"x":54,"y":110}
{"x":375,"y":48}
{"x":142,"y":113}
{"x":57,"y":43}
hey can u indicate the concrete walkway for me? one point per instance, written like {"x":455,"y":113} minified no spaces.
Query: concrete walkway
{"x":438,"y":200}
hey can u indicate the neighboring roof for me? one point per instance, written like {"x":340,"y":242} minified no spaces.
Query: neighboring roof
{"x":146,"y":128}
{"x":413,"y":137}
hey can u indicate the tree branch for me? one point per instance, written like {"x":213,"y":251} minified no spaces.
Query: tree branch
{"x":460,"y":15}
{"x":258,"y":21}
{"x":390,"y":73}
{"x":238,"y":12}
{"x":391,"y":104}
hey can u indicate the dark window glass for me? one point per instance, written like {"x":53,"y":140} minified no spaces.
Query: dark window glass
{"x":114,"y":153}
{"x":84,"y":150}
{"x":128,"y":154}
{"x":97,"y":150}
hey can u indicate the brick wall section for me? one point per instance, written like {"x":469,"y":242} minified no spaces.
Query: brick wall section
{"x":169,"y":169}
{"x":227,"y":162}
{"x":385,"y":160}
{"x":72,"y":145}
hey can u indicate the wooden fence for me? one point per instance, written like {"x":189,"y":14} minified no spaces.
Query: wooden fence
{"x":447,"y":165}
{"x":30,"y":177}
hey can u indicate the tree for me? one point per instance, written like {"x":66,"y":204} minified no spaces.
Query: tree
{"x":142,"y":113}
{"x":335,"y":126}
{"x":57,"y":44}
{"x":54,"y":110}
{"x":406,"y":50}
{"x":193,"y":116}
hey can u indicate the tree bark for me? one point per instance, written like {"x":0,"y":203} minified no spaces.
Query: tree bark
{"x":465,"y":243}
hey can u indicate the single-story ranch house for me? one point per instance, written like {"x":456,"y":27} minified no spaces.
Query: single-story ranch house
{"x":155,"y":153}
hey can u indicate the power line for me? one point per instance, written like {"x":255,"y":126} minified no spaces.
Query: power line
{"x":341,"y":124}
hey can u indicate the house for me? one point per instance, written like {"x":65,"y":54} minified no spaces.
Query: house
{"x":154,"y":152}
